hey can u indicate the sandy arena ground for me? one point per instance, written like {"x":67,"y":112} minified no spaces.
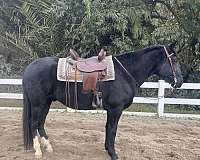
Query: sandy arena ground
{"x":76,"y":136}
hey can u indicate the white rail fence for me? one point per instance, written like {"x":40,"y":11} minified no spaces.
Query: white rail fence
{"x":160,"y":100}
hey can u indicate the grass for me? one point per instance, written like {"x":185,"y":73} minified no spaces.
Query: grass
{"x":19,"y":103}
{"x":142,"y":108}
{"x":182,"y":109}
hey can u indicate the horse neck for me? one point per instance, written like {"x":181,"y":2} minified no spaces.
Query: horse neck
{"x":141,"y":65}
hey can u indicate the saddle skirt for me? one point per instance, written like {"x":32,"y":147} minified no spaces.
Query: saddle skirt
{"x":66,"y":69}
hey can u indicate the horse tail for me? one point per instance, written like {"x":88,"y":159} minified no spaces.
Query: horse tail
{"x":27,"y":133}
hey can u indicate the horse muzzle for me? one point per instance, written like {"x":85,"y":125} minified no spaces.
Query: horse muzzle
{"x":178,"y":83}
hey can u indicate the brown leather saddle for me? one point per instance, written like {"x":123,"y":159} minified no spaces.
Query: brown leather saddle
{"x":93,"y":68}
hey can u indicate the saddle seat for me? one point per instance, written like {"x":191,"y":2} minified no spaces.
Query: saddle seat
{"x":91,"y":65}
{"x":94,"y":69}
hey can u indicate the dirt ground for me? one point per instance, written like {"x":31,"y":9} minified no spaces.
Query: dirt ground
{"x":76,"y":136}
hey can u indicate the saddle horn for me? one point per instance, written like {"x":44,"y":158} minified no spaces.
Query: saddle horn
{"x":74,"y":54}
{"x":102,"y":55}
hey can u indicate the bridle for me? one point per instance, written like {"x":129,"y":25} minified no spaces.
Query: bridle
{"x":171,"y":64}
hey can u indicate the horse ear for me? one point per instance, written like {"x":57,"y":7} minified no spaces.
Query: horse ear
{"x":173,"y":45}
{"x":73,"y":54}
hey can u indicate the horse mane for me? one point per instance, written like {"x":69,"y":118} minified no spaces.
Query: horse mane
{"x":140,"y":51}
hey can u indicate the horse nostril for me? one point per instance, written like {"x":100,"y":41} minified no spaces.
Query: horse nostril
{"x":178,"y":84}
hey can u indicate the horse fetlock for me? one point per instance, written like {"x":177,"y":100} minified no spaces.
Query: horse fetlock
{"x":36,"y":146}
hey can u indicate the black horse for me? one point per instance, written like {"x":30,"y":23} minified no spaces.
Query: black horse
{"x":41,"y":87}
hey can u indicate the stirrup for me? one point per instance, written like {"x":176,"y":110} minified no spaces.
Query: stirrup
{"x":97,"y":100}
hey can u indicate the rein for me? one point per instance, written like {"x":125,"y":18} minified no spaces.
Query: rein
{"x":171,"y":64}
{"x":128,"y":73}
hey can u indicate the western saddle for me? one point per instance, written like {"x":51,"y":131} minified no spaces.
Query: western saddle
{"x":94,"y":70}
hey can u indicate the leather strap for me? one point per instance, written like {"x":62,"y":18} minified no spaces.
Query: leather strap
{"x":171,"y":64}
{"x":128,"y":73}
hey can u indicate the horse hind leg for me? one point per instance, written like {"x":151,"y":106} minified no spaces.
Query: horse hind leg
{"x":34,"y":127}
{"x":31,"y":113}
{"x":37,"y":148}
{"x":44,"y":138}
{"x":39,"y":114}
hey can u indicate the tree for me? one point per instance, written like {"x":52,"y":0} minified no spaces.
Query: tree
{"x":45,"y":27}
{"x":178,"y":20}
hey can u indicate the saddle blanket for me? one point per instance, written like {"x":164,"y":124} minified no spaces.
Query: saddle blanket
{"x":64,"y":69}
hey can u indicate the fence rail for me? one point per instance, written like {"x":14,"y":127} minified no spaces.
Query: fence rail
{"x":160,"y":100}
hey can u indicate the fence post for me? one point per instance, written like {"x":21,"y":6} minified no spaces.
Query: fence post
{"x":161,"y":98}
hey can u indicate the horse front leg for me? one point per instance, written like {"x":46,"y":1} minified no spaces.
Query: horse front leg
{"x":113,"y":117}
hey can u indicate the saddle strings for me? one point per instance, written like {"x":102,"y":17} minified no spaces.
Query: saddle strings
{"x":67,"y":88}
{"x":67,"y":92}
{"x":75,"y":90}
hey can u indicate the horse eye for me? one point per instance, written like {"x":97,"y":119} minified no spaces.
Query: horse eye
{"x":174,"y":59}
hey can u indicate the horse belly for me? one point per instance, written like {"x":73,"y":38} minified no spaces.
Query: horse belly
{"x":67,"y":95}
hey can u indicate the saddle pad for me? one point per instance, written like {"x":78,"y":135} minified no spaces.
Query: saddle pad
{"x":64,"y":69}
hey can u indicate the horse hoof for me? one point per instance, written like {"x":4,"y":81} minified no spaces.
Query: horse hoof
{"x":49,"y":149}
{"x":115,"y":157}
{"x":38,"y":155}
{"x":106,"y":148}
{"x":46,"y":145}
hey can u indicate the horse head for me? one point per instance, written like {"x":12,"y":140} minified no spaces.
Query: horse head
{"x":169,"y":68}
